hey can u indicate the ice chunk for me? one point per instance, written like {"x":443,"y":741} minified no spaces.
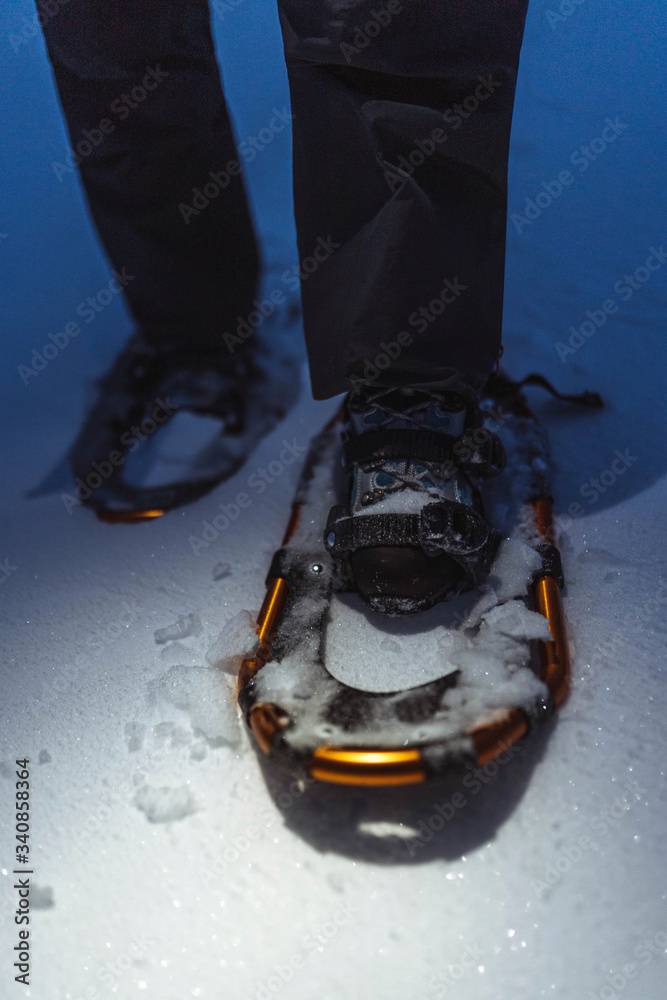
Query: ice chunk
{"x":179,"y":652}
{"x":185,"y":626}
{"x":484,"y":603}
{"x":514,"y":568}
{"x":237,"y":640}
{"x":202,"y":693}
{"x":515,"y":620}
{"x":164,"y":804}
{"x":480,"y":666}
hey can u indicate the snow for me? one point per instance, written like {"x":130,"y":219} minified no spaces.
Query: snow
{"x":401,"y":502}
{"x":165,"y":805}
{"x":204,"y":696}
{"x":514,"y":620}
{"x":513,"y":569}
{"x":186,"y":625}
{"x":536,"y":877}
{"x":237,"y":640}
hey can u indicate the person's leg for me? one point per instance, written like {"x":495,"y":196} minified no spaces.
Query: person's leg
{"x":402,"y":114}
{"x":140,"y":89}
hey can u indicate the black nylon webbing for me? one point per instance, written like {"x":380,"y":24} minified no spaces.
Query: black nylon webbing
{"x":441,"y":528}
{"x":478,"y":451}
{"x":427,"y":445}
{"x":369,"y":530}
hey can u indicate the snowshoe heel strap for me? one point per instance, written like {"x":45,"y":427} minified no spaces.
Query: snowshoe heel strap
{"x":501,"y":387}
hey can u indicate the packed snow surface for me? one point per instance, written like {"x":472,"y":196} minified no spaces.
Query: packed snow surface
{"x":168,"y":862}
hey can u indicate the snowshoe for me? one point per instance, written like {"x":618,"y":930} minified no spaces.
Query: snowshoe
{"x":122,"y":440}
{"x":464,"y":679}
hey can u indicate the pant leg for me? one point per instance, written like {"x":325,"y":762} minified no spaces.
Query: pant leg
{"x":148,"y":69}
{"x":402,"y":114}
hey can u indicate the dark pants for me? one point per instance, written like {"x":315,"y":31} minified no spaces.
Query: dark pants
{"x":402,"y":112}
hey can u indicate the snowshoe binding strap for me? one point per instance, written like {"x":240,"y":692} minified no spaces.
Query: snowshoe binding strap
{"x":479,"y":452}
{"x":419,"y":452}
{"x":444,"y":528}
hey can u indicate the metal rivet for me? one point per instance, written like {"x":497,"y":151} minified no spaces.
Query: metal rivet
{"x":371,"y":496}
{"x":316,"y":568}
